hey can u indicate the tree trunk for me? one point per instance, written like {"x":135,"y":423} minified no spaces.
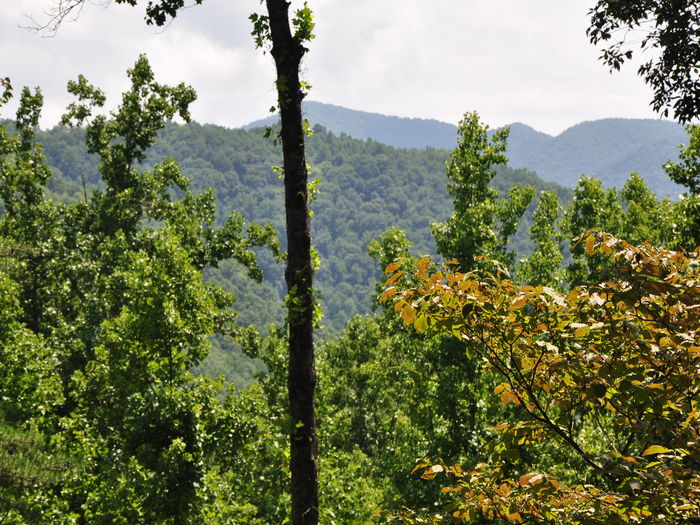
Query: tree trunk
{"x":287,"y":52}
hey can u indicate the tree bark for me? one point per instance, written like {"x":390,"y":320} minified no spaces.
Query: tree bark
{"x":287,"y":52}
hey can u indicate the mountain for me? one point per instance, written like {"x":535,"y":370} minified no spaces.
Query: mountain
{"x":523,"y":140}
{"x":398,"y":132}
{"x":609,"y":149}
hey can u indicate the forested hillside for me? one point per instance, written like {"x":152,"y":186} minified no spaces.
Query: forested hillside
{"x":365,"y":187}
{"x":608,"y":149}
{"x":530,"y":355}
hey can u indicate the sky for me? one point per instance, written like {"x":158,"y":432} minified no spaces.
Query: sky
{"x":510,"y":60}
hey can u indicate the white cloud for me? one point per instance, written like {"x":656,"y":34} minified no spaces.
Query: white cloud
{"x":511,"y":60}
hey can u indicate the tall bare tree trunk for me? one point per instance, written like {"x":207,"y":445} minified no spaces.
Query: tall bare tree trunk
{"x":287,"y":53}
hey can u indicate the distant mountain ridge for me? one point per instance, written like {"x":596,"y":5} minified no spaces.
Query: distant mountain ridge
{"x":609,"y":149}
{"x":399,"y":132}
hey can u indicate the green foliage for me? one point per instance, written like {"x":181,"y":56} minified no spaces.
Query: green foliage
{"x":386,"y":396}
{"x":303,"y":25}
{"x":687,"y":170}
{"x":633,"y":213}
{"x":6,"y":90}
{"x":479,"y":226}
{"x":113,"y":286}
{"x":543,"y":267}
{"x":358,"y":201}
{"x":670,"y":29}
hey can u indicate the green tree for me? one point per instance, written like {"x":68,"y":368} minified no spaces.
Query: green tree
{"x":687,"y":172}
{"x":286,"y":40}
{"x":645,"y":217}
{"x":592,"y":206}
{"x":668,"y":28}
{"x":480,"y":225}
{"x":113,"y":286}
{"x":288,"y":48}
{"x":543,"y":267}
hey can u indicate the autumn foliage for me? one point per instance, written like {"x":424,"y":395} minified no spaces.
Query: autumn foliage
{"x":608,"y":373}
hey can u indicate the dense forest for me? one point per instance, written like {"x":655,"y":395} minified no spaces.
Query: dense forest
{"x":357,"y":201}
{"x":496,"y":348}
{"x":357,"y":195}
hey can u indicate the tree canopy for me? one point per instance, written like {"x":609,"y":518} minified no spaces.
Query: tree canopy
{"x":608,"y":371}
{"x":671,"y":31}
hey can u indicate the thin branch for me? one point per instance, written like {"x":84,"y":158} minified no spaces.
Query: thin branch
{"x":61,"y":11}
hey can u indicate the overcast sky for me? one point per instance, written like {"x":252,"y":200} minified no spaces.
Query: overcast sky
{"x":510,"y":60}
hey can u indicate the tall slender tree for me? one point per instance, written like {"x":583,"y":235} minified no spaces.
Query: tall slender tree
{"x":286,"y":41}
{"x":288,"y":50}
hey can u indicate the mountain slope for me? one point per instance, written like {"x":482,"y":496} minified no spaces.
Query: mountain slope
{"x":609,"y":149}
{"x":398,"y":132}
{"x":365,"y":187}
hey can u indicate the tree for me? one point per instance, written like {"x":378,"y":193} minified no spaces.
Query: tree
{"x":687,"y":172}
{"x":480,"y":225}
{"x":608,"y":372}
{"x":671,"y":31}
{"x":287,"y":47}
{"x":544,"y":265}
{"x":111,"y":312}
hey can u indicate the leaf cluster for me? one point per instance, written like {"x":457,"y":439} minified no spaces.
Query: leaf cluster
{"x":671,"y":31}
{"x":622,"y":355}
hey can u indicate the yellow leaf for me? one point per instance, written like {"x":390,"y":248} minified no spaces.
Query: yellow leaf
{"x":421,"y":324}
{"x":524,"y":479}
{"x":656,"y":449}
{"x":687,"y":506}
{"x":420,"y":463}
{"x":500,"y":388}
{"x":422,"y":264}
{"x":530,"y":479}
{"x":583,"y":331}
{"x":536,"y":479}
{"x":408,"y":314}
{"x":506,"y":397}
{"x":590,"y":244}
{"x":430,"y":473}
{"x":394,"y":278}
{"x":392,"y":290}
{"x":567,"y":379}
